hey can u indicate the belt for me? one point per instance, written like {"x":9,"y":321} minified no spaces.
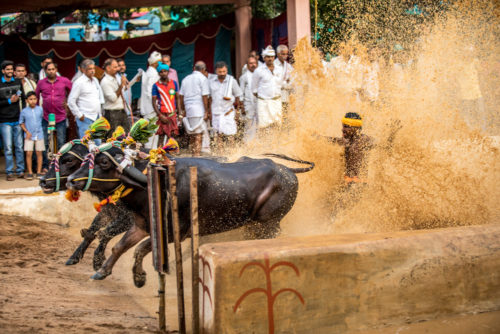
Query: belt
{"x":272,"y":98}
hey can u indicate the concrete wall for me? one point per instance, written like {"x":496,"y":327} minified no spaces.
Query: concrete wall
{"x":53,"y":208}
{"x":337,"y":283}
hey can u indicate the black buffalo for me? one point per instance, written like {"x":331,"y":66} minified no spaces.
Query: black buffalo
{"x":255,"y":192}
{"x":113,"y":219}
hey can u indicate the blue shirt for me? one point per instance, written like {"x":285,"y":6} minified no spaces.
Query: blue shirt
{"x":32,"y":119}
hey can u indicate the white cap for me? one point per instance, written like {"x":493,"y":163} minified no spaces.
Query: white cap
{"x":154,"y":57}
{"x":269,"y":51}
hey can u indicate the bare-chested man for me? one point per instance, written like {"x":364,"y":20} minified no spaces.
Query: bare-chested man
{"x":356,"y":145}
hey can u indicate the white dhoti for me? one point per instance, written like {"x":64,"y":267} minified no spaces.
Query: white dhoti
{"x":196,"y":125}
{"x":250,"y":122}
{"x":154,"y":139}
{"x":269,"y":112}
{"x":224,"y":124}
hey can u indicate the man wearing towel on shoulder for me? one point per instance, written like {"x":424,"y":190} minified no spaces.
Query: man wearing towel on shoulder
{"x":249,"y":100}
{"x":149,"y":78}
{"x":224,"y":93}
{"x":281,"y":64}
{"x":266,"y":85}
{"x":193,"y":98}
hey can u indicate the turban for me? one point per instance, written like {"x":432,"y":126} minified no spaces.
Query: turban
{"x":161,"y":67}
{"x":154,"y":57}
{"x":269,"y":51}
{"x":352,"y":119}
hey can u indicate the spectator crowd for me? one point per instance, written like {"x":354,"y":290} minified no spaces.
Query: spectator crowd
{"x":210,"y":111}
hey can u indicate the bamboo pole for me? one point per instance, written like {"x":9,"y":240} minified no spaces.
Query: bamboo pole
{"x":178,"y":250}
{"x":194,"y":248}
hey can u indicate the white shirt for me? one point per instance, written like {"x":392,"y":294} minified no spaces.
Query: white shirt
{"x":99,"y":36}
{"x":193,"y":88}
{"x":126,"y":93}
{"x":149,"y":78}
{"x":286,"y":69}
{"x":76,"y":76}
{"x":347,"y":74}
{"x":244,"y":69}
{"x":266,"y":84}
{"x":249,"y":99}
{"x":85,"y":98}
{"x":223,"y":96}
{"x":109,"y":86}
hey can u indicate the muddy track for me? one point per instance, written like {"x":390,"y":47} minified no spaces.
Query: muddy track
{"x":39,"y":294}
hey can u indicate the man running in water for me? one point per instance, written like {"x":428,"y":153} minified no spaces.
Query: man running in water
{"x":356,"y":145}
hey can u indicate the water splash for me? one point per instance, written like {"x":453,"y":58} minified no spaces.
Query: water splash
{"x":441,"y":169}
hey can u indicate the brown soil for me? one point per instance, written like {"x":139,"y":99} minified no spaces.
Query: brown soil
{"x":38,"y":293}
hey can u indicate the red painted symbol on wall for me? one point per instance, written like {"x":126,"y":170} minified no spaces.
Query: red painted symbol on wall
{"x":267,"y":268}
{"x":204,"y":286}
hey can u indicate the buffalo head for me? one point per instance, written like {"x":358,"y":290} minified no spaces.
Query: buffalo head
{"x":64,"y":163}
{"x":104,"y":170}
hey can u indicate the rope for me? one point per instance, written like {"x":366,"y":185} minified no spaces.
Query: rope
{"x":96,"y":179}
{"x":90,"y":158}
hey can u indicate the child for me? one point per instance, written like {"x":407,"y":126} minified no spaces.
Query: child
{"x":31,"y":123}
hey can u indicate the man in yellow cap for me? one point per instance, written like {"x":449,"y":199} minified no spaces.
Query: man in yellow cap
{"x":355,"y":145}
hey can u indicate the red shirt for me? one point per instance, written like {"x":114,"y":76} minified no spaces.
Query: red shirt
{"x":54,"y":96}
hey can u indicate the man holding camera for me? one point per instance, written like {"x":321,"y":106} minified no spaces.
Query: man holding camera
{"x":11,"y":91}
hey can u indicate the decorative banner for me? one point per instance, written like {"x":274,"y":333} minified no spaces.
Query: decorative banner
{"x":208,"y":41}
{"x":269,"y":32}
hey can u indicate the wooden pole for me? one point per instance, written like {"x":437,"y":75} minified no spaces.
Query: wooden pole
{"x":153,"y":210}
{"x":178,"y":250}
{"x":161,"y":308}
{"x":194,"y":248}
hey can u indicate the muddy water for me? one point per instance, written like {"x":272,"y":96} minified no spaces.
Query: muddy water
{"x":442,"y":168}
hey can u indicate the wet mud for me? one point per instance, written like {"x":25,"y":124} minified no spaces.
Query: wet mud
{"x":39,"y":294}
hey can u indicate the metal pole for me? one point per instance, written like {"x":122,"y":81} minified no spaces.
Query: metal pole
{"x":178,"y":250}
{"x":194,"y":248}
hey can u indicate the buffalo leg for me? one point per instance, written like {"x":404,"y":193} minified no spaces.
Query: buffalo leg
{"x":139,"y":273}
{"x":129,"y":239}
{"x":116,"y":227}
{"x":88,"y":236}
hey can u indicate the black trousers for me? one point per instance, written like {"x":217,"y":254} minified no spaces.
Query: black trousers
{"x":115,"y":118}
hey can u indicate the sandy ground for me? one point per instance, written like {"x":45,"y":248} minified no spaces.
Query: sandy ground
{"x":39,"y":294}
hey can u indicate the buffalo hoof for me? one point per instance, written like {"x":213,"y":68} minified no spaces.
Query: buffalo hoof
{"x":140,"y":279}
{"x":99,"y":276}
{"x":71,"y":261}
{"x":98,"y":261}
